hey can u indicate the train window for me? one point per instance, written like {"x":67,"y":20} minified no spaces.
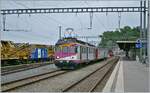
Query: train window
{"x":71,"y":49}
{"x":81,"y":49}
{"x":91,"y":50}
{"x":85,"y":49}
{"x":58,"y":49}
{"x":65,"y":49}
{"x":76,"y":49}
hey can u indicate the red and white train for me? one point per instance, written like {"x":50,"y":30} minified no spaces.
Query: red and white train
{"x":71,"y":53}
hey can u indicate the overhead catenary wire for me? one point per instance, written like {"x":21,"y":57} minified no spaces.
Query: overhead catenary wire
{"x":81,"y":24}
{"x":36,"y":17}
{"x":53,"y":19}
{"x":48,"y":16}
{"x":40,"y":36}
{"x":99,"y":20}
{"x":30,"y":15}
{"x":24,"y":30}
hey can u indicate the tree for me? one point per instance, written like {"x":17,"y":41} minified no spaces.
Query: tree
{"x":125,"y":33}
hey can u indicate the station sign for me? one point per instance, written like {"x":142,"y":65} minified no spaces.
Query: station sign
{"x":138,"y":44}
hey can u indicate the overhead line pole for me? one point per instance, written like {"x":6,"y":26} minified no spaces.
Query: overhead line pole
{"x":144,"y":32}
{"x":59,"y":32}
{"x":4,"y":22}
{"x":141,"y":29}
{"x":148,"y":35}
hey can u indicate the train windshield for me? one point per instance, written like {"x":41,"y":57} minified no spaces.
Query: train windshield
{"x":58,"y":49}
{"x":66,"y":49}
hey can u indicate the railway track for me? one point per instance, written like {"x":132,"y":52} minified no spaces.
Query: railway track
{"x":15,"y":69}
{"x":29,"y":80}
{"x":101,"y":84}
{"x":90,"y":82}
{"x":33,"y":79}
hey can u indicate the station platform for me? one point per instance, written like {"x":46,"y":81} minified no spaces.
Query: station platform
{"x":128,"y":76}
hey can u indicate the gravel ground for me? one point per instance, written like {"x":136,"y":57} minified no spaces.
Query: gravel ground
{"x":15,"y":67}
{"x":58,"y":83}
{"x":102,"y":84}
{"x":88,"y":83}
{"x":27,"y":73}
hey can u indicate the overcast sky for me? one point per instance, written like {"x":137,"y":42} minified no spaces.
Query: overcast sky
{"x":43,"y":28}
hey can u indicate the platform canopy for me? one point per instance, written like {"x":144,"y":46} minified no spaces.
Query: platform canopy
{"x":126,"y":45}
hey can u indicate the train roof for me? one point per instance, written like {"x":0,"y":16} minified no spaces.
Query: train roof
{"x":72,"y":40}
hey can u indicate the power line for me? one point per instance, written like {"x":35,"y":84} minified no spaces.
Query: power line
{"x":23,"y":29}
{"x":48,"y":16}
{"x":97,"y":18}
{"x":81,"y":24}
{"x":20,"y":4}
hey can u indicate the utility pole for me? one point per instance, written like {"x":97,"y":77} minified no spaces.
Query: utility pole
{"x":119,"y":20}
{"x":4,"y":22}
{"x":148,"y":35}
{"x":91,"y":19}
{"x":59,"y":32}
{"x":144,"y":32}
{"x":141,"y":29}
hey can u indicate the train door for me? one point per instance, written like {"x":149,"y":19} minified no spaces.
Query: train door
{"x":87,"y":53}
{"x":80,"y":53}
{"x":96,"y":53}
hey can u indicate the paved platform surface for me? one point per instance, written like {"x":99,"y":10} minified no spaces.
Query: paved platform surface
{"x":136,"y":77}
{"x":129,"y":76}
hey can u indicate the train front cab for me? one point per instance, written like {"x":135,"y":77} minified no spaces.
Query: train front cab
{"x":66,"y":59}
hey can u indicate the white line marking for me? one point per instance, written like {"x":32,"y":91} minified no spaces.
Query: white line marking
{"x":120,"y":80}
{"x":110,"y":81}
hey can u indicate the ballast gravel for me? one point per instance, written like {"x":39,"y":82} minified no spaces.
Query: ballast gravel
{"x":57,"y":84}
{"x":27,"y":73}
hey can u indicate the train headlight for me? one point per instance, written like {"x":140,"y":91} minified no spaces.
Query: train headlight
{"x":57,"y":56}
